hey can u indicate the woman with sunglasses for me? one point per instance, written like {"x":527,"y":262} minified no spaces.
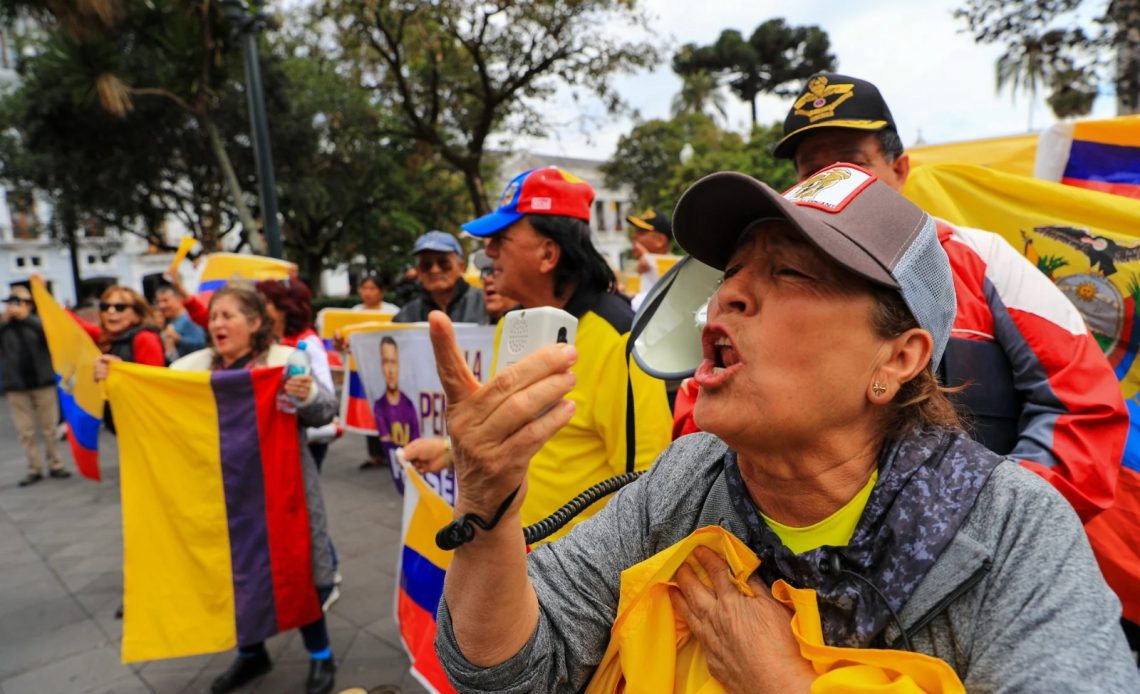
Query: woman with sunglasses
{"x":439,"y":271}
{"x":126,"y":330}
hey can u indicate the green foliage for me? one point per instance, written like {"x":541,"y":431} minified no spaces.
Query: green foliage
{"x":1056,"y":44}
{"x":1049,"y":264}
{"x":648,"y":159}
{"x":346,"y":188}
{"x":775,"y":59}
{"x":455,"y":72}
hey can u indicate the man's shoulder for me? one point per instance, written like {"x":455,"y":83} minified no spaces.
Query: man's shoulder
{"x":614,"y":310}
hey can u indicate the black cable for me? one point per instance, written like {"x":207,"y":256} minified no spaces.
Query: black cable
{"x":555,"y":521}
{"x":830,"y":566}
{"x":461,"y":530}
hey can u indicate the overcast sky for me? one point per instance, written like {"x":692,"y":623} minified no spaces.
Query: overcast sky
{"x":936,"y":80}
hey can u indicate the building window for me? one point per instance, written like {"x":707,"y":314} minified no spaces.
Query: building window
{"x":599,"y":214}
{"x":20,"y":262}
{"x":35,"y":260}
{"x":22,"y":209}
{"x":90,"y":260}
{"x":618,"y":216}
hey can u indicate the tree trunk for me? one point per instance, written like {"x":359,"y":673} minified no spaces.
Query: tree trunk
{"x":476,"y":188}
{"x":1126,"y":15}
{"x":752,"y":103}
{"x":256,"y":241}
{"x":68,"y":224}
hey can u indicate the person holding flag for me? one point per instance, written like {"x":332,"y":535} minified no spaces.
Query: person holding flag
{"x":242,"y":337}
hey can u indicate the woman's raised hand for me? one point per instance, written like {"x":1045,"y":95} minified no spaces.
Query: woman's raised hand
{"x":102,"y":364}
{"x":495,"y":429}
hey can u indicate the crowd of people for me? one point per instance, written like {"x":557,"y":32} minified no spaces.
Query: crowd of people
{"x":903,"y":415}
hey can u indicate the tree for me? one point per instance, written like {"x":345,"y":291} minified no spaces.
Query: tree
{"x":346,"y":188}
{"x":776,"y":59}
{"x":700,"y":93}
{"x":648,"y":159}
{"x":457,"y":72}
{"x":1101,"y":52}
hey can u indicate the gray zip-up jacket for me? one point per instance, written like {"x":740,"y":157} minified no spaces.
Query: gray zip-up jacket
{"x":1015,"y":603}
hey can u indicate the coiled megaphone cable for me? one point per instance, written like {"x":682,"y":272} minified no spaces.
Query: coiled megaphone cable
{"x":557,"y":520}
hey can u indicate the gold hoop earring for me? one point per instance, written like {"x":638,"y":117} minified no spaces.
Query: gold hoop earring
{"x":878,"y":388}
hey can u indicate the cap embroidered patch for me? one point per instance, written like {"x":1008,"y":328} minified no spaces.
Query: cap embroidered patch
{"x":821,"y":98}
{"x":832,"y":188}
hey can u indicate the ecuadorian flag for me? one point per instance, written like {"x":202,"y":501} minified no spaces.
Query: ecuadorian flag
{"x":355,"y":409}
{"x":73,"y":356}
{"x":1086,"y":242}
{"x":220,"y":268}
{"x":1105,"y":156}
{"x":422,"y":568}
{"x":216,"y":549}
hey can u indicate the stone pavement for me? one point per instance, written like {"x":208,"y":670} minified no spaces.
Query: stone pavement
{"x":61,"y":580}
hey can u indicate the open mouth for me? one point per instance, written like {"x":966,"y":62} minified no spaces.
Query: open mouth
{"x":721,"y":358}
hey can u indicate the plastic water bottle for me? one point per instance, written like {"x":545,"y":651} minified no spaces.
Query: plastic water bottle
{"x":298,"y":364}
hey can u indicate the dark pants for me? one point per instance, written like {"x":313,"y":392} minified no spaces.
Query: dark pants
{"x":319,"y":451}
{"x":315,"y":635}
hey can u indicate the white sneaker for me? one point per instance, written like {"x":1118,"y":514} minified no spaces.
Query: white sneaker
{"x":333,"y":597}
{"x":337,"y":578}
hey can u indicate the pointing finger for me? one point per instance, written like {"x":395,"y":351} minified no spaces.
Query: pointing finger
{"x":457,"y":380}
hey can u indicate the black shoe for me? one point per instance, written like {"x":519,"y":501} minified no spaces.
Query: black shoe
{"x":31,"y":479}
{"x":119,"y":612}
{"x":59,"y":474}
{"x":322,"y":676}
{"x":244,"y":670}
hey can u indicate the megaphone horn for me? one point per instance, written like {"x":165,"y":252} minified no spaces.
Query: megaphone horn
{"x":667,"y":327}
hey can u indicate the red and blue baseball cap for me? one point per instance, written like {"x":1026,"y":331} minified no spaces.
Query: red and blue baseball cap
{"x":548,"y":190}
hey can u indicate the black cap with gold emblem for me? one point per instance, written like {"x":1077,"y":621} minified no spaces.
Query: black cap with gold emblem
{"x":833,"y":101}
{"x":652,"y":220}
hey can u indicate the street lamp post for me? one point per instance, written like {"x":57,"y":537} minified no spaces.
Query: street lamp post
{"x":247,"y":25}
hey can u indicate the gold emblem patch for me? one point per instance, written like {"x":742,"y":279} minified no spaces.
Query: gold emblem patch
{"x":821,"y":99}
{"x":819,"y":183}
{"x":509,"y":194}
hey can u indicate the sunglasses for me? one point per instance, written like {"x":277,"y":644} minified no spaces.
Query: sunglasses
{"x":115,"y":308}
{"x":426,"y":264}
{"x":17,"y":300}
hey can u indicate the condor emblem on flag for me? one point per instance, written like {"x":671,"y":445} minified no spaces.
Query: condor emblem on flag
{"x":216,"y":548}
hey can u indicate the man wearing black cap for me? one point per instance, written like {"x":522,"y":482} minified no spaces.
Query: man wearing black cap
{"x":652,"y":234}
{"x":1038,"y":387}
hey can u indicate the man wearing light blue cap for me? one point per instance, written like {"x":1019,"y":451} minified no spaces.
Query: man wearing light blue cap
{"x":439,"y":268}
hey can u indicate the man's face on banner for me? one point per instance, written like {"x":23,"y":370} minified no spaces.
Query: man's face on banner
{"x":390,"y":363}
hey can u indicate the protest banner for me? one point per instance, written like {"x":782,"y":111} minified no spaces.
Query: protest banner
{"x":216,"y":548}
{"x":397,"y":371}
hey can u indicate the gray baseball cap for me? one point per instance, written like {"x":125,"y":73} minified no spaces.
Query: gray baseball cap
{"x":439,"y":241}
{"x":849,"y":215}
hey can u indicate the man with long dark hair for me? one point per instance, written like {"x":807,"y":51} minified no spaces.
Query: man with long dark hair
{"x":539,"y":240}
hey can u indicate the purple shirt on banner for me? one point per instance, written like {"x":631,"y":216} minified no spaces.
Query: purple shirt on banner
{"x":397,"y":425}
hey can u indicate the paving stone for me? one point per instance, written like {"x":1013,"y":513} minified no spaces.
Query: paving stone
{"x":94,"y":670}
{"x":61,"y":580}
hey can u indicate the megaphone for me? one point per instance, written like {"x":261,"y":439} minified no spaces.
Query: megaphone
{"x":667,"y":328}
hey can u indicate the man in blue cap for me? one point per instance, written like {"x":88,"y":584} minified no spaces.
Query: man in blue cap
{"x":439,"y":268}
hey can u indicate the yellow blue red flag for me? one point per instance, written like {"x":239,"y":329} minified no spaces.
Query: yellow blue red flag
{"x":216,"y":548}
{"x":420,"y":588}
{"x":220,"y":268}
{"x":1105,"y":156}
{"x":73,"y":356}
{"x":1086,"y":242}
